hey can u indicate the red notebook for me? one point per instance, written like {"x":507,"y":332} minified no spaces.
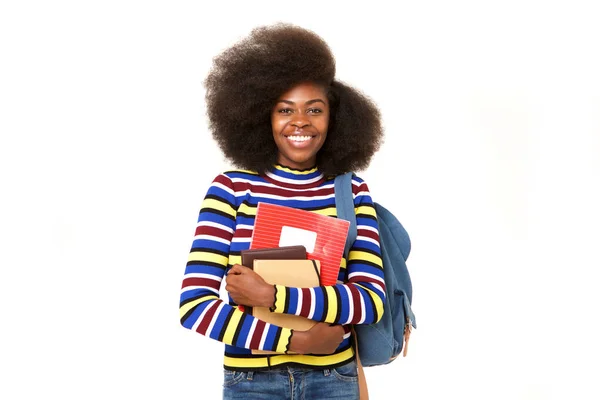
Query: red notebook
{"x":323,"y":237}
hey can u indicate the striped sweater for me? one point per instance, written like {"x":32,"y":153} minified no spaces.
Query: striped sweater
{"x":224,"y":228}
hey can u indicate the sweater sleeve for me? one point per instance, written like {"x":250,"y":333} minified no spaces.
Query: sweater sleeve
{"x":358,"y":300}
{"x":201,"y":309}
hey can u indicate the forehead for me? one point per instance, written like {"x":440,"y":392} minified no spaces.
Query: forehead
{"x":305,"y":91}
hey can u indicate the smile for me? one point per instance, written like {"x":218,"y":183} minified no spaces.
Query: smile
{"x":299,"y":138}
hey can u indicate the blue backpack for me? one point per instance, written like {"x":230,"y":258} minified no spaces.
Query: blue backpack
{"x":382,"y":342}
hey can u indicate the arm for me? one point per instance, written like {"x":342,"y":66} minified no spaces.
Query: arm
{"x":360,"y":299}
{"x":201,"y":309}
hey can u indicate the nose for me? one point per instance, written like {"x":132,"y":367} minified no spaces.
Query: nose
{"x":300,"y":121}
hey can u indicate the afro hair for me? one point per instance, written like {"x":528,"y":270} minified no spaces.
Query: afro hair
{"x":247,"y":79}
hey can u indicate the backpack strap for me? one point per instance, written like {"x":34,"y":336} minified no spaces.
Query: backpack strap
{"x":344,"y":205}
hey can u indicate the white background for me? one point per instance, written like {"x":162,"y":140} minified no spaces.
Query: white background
{"x":491,"y":161}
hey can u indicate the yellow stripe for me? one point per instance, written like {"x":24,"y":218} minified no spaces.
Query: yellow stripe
{"x":246,"y":362}
{"x":295,"y":172}
{"x":218,"y":205}
{"x":206,"y":256}
{"x":363,"y":255}
{"x":376,"y":300}
{"x":188,"y":306}
{"x":284,"y":338}
{"x":246,"y":209}
{"x":332,"y":304}
{"x":279,"y":298}
{"x":235,"y":259}
{"x":232,"y":326}
{"x":329,"y":211}
{"x":245,"y":171}
{"x":343,"y":263}
{"x":366,"y":210}
{"x":313,"y":360}
{"x":261,"y":362}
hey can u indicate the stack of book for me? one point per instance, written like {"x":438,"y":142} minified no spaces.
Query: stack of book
{"x":294,"y":248}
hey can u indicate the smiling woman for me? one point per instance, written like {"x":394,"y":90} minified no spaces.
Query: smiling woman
{"x":300,"y":120}
{"x":294,"y":127}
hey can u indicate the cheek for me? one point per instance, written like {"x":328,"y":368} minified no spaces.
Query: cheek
{"x":277,"y":124}
{"x":324,"y":126}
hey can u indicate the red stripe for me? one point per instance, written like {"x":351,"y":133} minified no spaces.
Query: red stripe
{"x":278,"y":191}
{"x":242,"y":186}
{"x":258,"y":331}
{"x":208,"y":317}
{"x":201,"y":282}
{"x":306,"y":301}
{"x":243,"y":233}
{"x":368,"y":233}
{"x":212,"y":231}
{"x":356,"y":302}
{"x":283,"y":191}
{"x":224,"y":180}
{"x":360,"y":188}
{"x":294,"y":185}
{"x":362,"y":278}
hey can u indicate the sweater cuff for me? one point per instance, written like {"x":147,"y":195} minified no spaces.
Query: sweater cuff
{"x":284,"y":340}
{"x":279,"y":303}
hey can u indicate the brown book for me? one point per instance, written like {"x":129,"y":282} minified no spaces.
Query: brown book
{"x":273,"y":253}
{"x":292,"y":273}
{"x":270,"y":253}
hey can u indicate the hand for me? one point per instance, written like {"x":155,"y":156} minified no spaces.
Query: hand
{"x":322,"y":338}
{"x":248,"y":288}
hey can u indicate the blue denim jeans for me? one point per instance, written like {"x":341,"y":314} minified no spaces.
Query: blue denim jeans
{"x":293,"y":383}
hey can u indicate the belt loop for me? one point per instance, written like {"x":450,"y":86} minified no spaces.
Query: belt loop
{"x":250,"y":375}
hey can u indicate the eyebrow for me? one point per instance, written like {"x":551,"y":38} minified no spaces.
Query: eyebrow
{"x":309,"y":102}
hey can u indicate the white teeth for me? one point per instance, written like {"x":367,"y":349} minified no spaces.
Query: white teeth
{"x":299,"y":138}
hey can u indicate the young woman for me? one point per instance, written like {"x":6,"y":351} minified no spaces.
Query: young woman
{"x":278,"y":114}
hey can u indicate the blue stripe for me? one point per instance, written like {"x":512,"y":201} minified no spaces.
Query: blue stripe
{"x":219,"y":191}
{"x":237,"y":350}
{"x":293,"y":300}
{"x":216,"y":218}
{"x":344,"y":302}
{"x":244,"y":331}
{"x":270,"y":339}
{"x":193,"y":317}
{"x":239,"y":246}
{"x":319,"y":302}
{"x":188,"y":294}
{"x":210,"y":244}
{"x":366,"y":245}
{"x":295,"y":203}
{"x":220,"y":321}
{"x":203,"y":269}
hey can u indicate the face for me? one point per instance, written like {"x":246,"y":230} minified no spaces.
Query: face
{"x":299,"y":121}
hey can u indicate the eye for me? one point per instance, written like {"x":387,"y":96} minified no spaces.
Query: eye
{"x":315,"y":110}
{"x":285,"y":111}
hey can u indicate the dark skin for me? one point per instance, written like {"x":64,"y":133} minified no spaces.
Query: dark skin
{"x":301,"y":112}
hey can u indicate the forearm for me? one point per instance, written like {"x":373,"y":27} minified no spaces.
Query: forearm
{"x":210,"y":316}
{"x":351,"y":303}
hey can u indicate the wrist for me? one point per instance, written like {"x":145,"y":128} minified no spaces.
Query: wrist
{"x":269,"y":297}
{"x":298,"y":342}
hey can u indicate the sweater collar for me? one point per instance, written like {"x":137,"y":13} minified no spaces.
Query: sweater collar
{"x":291,"y":177}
